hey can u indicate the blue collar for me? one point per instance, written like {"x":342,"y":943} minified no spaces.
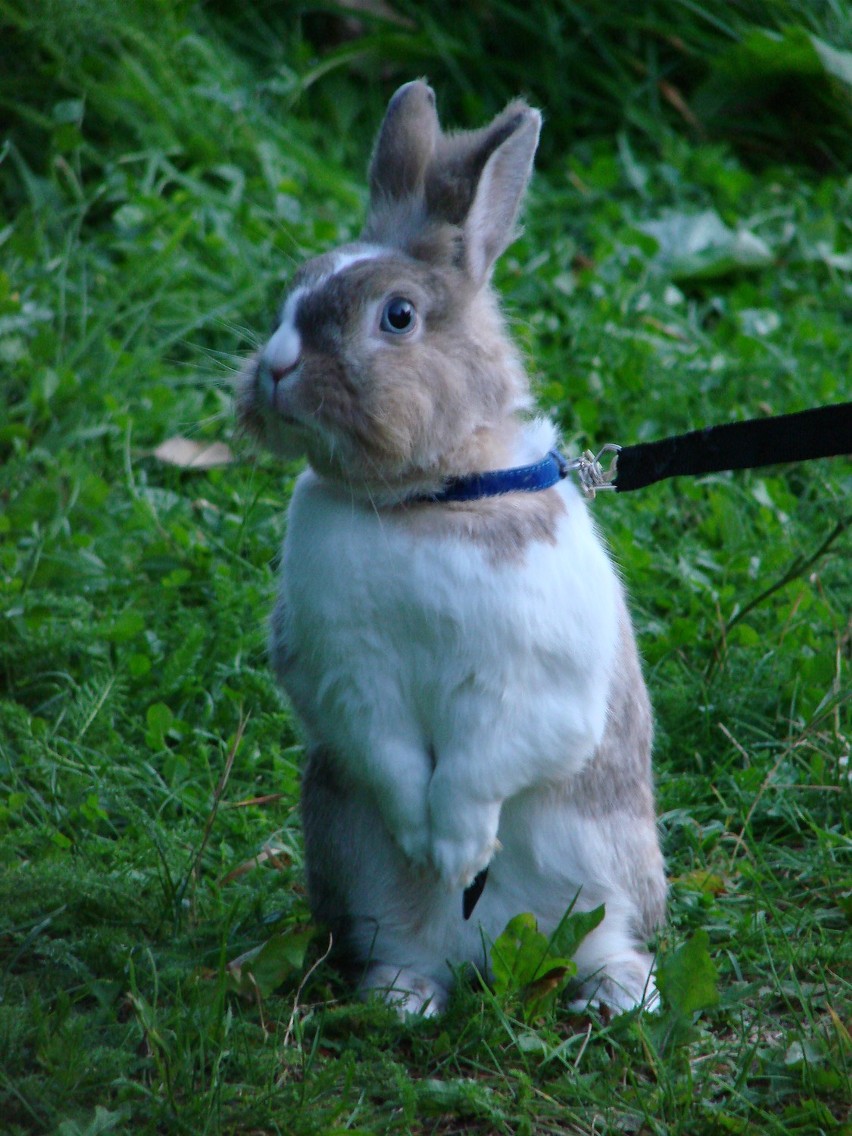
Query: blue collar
{"x":523,"y":478}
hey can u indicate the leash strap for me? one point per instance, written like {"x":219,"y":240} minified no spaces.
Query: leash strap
{"x":821,"y":433}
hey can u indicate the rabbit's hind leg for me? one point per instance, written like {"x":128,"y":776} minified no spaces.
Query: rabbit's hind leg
{"x":390,"y":920}
{"x":613,"y":969}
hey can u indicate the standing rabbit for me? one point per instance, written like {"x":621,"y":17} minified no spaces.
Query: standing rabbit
{"x":457,"y":647}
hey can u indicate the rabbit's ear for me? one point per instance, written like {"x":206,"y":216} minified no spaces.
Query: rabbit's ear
{"x":405,"y":144}
{"x":508,"y":150}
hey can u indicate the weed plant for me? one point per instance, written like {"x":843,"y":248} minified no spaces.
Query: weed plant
{"x":164,"y":166}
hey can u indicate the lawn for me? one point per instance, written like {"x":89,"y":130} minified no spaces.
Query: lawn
{"x":686,"y":261}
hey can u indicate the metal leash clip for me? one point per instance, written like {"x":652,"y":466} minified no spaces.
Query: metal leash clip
{"x":592,"y":475}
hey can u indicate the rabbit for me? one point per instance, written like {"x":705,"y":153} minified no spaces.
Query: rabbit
{"x":465,"y":671}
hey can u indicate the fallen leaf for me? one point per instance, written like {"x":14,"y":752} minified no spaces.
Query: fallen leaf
{"x":673,"y":96}
{"x":187,"y":454}
{"x":276,"y":857}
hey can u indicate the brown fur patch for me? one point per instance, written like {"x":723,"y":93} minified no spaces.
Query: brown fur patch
{"x":616,"y":789}
{"x":503,"y":526}
{"x":618,"y":778}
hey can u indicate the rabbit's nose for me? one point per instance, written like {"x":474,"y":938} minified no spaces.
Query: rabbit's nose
{"x":282,"y":353}
{"x":277,"y":372}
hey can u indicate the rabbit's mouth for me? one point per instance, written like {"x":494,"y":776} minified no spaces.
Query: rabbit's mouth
{"x":272,"y":386}
{"x":279,"y":398}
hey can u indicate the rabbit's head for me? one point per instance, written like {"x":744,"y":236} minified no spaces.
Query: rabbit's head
{"x":390,"y":366}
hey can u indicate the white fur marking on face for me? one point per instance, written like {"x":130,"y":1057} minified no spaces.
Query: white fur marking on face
{"x":284,"y":347}
{"x":282,"y":351}
{"x":344,"y":260}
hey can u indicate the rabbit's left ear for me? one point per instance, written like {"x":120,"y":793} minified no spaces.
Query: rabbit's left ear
{"x":489,"y":227}
{"x":405,"y":144}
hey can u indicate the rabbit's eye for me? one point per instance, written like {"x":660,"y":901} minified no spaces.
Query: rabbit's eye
{"x":398,"y":316}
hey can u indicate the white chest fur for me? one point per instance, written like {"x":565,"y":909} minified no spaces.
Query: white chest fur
{"x":438,"y":676}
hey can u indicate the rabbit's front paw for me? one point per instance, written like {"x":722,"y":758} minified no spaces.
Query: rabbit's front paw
{"x":414,"y":842}
{"x":464,"y":830}
{"x":406,"y":815}
{"x":458,"y":862}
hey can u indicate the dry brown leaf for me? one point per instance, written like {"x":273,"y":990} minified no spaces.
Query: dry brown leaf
{"x":673,"y":96}
{"x":187,"y":454}
{"x":266,"y":799}
{"x":276,"y":857}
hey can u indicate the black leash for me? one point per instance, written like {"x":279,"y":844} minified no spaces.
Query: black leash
{"x":822,"y":433}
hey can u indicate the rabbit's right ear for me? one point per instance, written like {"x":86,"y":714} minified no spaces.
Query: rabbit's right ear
{"x":405,"y":145}
{"x":506,"y":153}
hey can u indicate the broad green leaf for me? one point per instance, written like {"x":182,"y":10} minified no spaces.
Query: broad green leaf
{"x":127,"y":625}
{"x":751,"y":80}
{"x":159,"y":719}
{"x":521,"y":955}
{"x":575,"y":926}
{"x":102,"y":1121}
{"x":463,"y":1097}
{"x":764,"y":54}
{"x":517,"y":954}
{"x":522,"y":963}
{"x":687,"y":978}
{"x":838,"y":64}
{"x":265,"y":968}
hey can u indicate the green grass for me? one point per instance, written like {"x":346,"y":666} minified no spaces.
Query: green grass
{"x":162,"y":173}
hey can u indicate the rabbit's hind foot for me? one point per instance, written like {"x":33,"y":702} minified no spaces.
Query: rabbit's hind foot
{"x":624,"y":984}
{"x":406,"y":991}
